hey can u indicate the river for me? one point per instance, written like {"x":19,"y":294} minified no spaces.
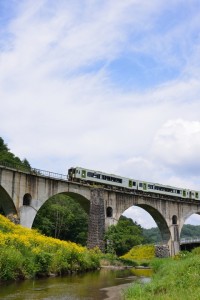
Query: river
{"x":99,"y":285}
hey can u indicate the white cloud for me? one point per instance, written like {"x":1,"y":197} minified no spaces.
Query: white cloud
{"x":177,"y":144}
{"x":140,"y":216}
{"x":61,"y":105}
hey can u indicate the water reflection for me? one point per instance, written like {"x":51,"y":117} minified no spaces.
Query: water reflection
{"x":98,"y":285}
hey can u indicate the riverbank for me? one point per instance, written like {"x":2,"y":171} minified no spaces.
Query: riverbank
{"x":174,"y":278}
{"x":25,"y":253}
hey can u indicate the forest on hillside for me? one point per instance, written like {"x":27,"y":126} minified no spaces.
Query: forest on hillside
{"x":152,"y":235}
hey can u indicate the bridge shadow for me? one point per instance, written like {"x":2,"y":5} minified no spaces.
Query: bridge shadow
{"x":7,"y":206}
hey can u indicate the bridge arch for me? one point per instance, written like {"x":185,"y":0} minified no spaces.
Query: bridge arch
{"x":31,"y":206}
{"x":64,"y":217}
{"x":153,"y":208}
{"x":6,"y":203}
{"x":155,"y":214}
{"x":187,"y":215}
{"x":159,"y":220}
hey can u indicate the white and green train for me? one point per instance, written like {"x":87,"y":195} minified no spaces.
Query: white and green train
{"x":83,"y":175}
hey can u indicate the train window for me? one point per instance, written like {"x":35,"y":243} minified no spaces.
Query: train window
{"x":131,"y":183}
{"x":118,"y":180}
{"x":90,"y":174}
{"x":96,"y":176}
{"x":168,"y":190}
{"x":196,"y":195}
{"x":150,"y":186}
{"x":104,"y":177}
{"x":140,"y":184}
{"x":178,"y":192}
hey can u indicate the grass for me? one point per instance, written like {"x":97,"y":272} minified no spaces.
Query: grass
{"x":173,"y":279}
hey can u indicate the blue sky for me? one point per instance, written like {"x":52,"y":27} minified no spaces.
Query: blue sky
{"x":109,"y":85}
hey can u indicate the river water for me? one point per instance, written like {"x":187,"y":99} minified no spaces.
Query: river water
{"x":99,"y":285}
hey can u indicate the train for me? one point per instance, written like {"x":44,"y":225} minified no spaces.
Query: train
{"x":87,"y":176}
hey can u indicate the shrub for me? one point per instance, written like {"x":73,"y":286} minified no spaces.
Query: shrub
{"x":140,"y":253}
{"x":26,"y":253}
{"x":11,"y":263}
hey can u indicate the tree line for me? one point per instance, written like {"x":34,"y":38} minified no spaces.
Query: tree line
{"x":6,"y":156}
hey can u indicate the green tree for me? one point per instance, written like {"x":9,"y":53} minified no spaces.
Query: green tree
{"x":62,"y":217}
{"x":152,"y":235}
{"x":122,"y":237}
{"x":3,"y":146}
{"x":190,"y":231}
{"x":9,"y":158}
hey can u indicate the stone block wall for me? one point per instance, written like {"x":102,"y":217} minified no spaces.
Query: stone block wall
{"x":162,"y":251}
{"x":96,"y":228}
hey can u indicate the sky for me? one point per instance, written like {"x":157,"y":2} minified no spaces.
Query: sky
{"x":107,"y":85}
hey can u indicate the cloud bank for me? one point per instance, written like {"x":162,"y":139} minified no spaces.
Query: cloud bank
{"x":108,"y":85}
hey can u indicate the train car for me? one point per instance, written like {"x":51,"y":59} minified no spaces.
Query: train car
{"x":195,"y":195}
{"x":83,"y":175}
{"x":91,"y":176}
{"x":157,"y":188}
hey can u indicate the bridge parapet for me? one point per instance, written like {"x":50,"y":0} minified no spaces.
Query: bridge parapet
{"x":189,"y":240}
{"x":33,"y":171}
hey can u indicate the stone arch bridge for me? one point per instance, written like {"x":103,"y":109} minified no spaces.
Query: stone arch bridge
{"x":22,"y":193}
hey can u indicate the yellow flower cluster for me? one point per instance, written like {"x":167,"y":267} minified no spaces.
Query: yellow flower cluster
{"x":141,"y":252}
{"x":38,"y":254}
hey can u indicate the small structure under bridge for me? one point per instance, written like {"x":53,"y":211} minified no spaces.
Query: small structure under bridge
{"x":189,"y":243}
